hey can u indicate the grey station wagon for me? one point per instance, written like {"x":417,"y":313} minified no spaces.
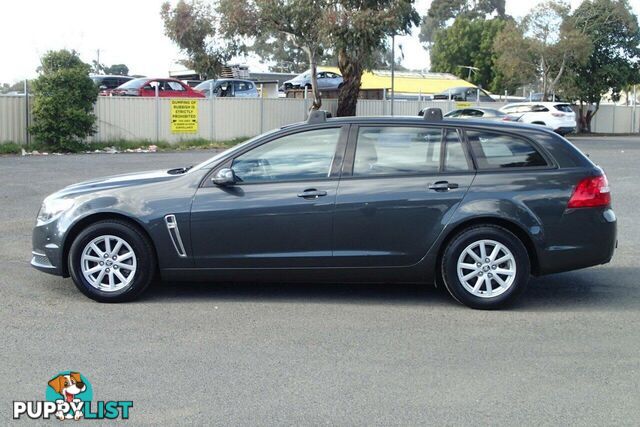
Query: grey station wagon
{"x":476,"y":206}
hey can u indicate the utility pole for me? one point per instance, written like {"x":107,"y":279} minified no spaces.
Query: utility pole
{"x":393,"y":70}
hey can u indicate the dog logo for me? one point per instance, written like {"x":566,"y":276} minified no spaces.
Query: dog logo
{"x":69,"y":396}
{"x":69,"y":386}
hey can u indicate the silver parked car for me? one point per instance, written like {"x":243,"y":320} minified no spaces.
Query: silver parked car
{"x":231,"y":88}
{"x":326,"y":80}
{"x":476,"y":113}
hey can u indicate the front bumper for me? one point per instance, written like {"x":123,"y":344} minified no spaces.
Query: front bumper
{"x":47,"y":249}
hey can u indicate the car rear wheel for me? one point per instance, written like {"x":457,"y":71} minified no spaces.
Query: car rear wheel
{"x":485,"y":267}
{"x":111,"y":261}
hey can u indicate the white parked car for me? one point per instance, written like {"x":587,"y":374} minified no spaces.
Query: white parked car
{"x":558,"y":116}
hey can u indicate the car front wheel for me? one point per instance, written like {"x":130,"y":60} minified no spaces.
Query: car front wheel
{"x":485,"y":267}
{"x":111,"y":261}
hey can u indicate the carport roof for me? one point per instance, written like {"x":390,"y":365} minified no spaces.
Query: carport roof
{"x":408,"y":82}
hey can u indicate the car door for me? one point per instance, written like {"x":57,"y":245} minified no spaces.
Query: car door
{"x":323,"y":81}
{"x":149,"y":88}
{"x":280,"y":212}
{"x":397,"y":192}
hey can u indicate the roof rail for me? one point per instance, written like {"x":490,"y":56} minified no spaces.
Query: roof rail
{"x":318,"y":116}
{"x":432,"y":114}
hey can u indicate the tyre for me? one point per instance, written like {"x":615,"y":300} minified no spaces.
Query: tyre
{"x":485,"y":267}
{"x":111,"y":261}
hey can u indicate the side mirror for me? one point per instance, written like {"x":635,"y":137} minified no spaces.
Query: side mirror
{"x":224,"y":177}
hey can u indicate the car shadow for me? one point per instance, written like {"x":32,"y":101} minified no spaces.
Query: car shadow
{"x":600,"y":287}
{"x":406,"y":294}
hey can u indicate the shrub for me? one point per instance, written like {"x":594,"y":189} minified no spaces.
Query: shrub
{"x":64,"y":98}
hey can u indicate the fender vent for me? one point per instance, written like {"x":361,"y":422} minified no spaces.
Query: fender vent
{"x":174,"y":233}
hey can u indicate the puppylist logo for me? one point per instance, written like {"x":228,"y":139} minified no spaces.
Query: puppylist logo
{"x":69,"y":396}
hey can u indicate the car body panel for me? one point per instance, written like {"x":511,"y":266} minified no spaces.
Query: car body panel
{"x":366,"y":229}
{"x":392,"y":221}
{"x":326,"y":80}
{"x":236,"y":88}
{"x":167,"y":88}
{"x":556,"y":116}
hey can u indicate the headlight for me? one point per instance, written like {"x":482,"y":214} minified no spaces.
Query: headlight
{"x":53,"y":208}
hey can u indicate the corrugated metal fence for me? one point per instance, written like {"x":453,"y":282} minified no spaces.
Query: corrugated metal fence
{"x":149,"y":119}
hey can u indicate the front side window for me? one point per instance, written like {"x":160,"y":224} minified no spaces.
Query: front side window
{"x":497,"y":151}
{"x":301,"y":156}
{"x":397,"y":151}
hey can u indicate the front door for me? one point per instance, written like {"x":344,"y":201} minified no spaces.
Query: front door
{"x":398,"y":194}
{"x":280,"y":212}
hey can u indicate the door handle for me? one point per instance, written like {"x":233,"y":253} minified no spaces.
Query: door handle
{"x":443,"y":186}
{"x":312,"y":193}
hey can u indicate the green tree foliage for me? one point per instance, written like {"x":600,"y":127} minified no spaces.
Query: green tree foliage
{"x":64,"y":99}
{"x":612,"y":30}
{"x":16,"y":87}
{"x":284,"y":57}
{"x":541,"y":47}
{"x":296,"y":23}
{"x":442,"y":11}
{"x":358,"y":30}
{"x":194,"y":27}
{"x":470,"y":43}
{"x":117,"y":69}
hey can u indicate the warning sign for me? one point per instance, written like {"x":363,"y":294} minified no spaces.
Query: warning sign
{"x":463,"y":104}
{"x":184,"y":116}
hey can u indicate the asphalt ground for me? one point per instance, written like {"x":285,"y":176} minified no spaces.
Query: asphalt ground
{"x":568,"y":353}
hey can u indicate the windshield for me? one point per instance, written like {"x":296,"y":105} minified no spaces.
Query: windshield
{"x":133,"y":84}
{"x":205,"y":85}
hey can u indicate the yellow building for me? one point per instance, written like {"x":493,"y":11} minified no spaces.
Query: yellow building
{"x":408,"y":82}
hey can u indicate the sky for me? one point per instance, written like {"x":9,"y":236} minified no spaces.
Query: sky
{"x":131,"y":32}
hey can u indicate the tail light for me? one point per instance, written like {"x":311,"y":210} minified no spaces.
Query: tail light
{"x":591,"y":192}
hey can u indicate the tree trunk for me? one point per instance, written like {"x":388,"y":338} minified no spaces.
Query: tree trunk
{"x":351,"y":78}
{"x":313,"y":62}
{"x":586,"y":116}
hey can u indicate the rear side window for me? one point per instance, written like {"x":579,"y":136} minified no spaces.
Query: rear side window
{"x":397,"y":151}
{"x":498,"y":151}
{"x":455,"y":158}
{"x":565,"y":108}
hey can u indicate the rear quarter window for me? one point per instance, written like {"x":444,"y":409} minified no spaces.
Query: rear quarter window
{"x":565,"y":108}
{"x":500,"y":151}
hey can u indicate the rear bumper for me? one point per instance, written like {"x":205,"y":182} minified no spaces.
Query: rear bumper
{"x":563,"y":130}
{"x":589,"y":239}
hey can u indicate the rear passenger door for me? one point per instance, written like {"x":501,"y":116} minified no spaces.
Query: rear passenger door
{"x":398,"y":189}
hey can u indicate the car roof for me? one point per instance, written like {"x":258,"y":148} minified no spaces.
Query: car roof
{"x":546,"y":103}
{"x":99,"y":76}
{"x":227,"y":80}
{"x":420,"y":121}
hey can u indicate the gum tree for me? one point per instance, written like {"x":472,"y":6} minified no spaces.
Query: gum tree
{"x":298,"y":23}
{"x":358,"y":30}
